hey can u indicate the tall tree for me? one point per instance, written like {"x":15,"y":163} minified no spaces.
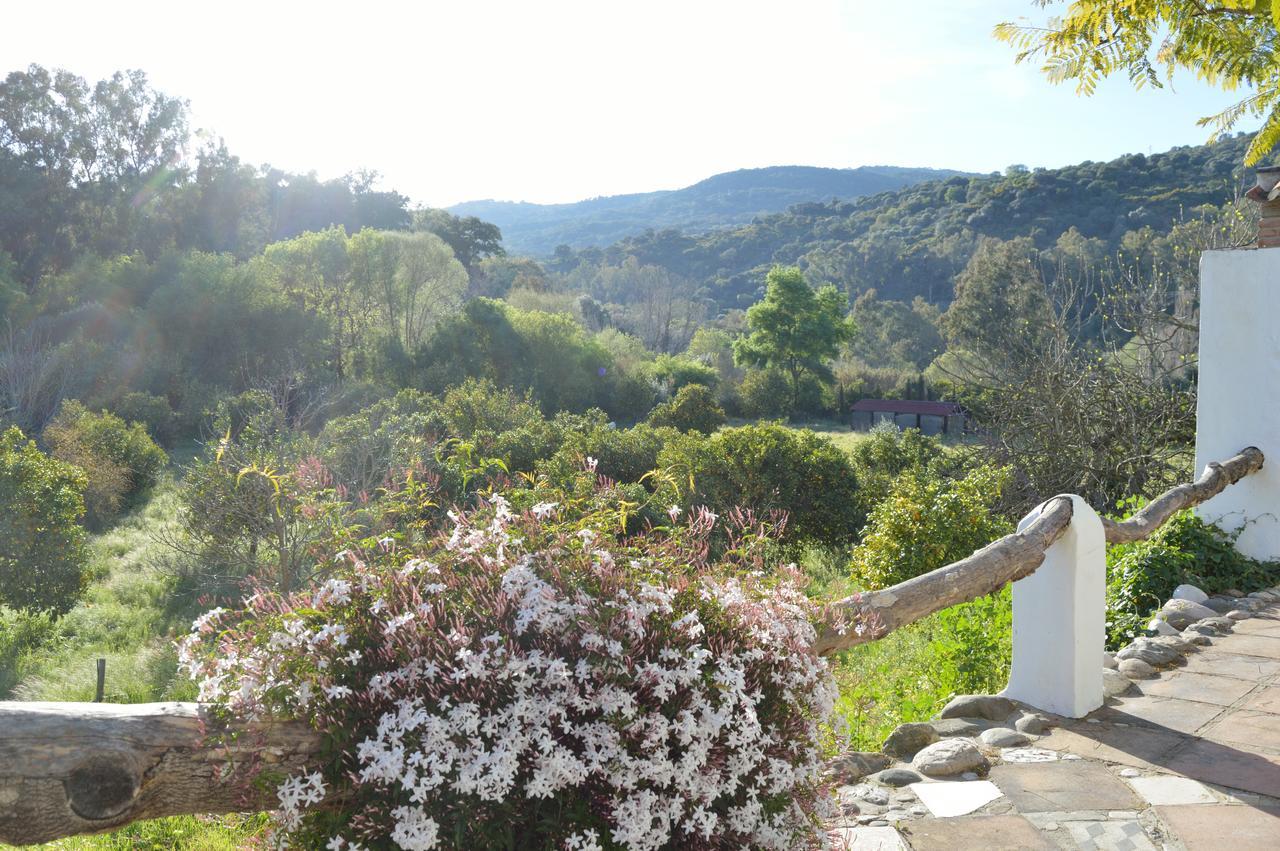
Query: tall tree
{"x":471,"y":239}
{"x":794,"y":328}
{"x":1229,"y":43}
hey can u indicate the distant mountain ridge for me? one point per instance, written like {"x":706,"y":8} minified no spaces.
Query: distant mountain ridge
{"x":731,"y":198}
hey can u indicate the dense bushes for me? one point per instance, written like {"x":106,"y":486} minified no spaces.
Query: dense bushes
{"x":42,"y":554}
{"x":927,"y":521}
{"x":694,"y":408}
{"x":770,"y":468}
{"x":1142,"y":575}
{"x":529,"y":678}
{"x":121,"y":462}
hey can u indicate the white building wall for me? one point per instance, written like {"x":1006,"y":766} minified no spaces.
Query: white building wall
{"x":1239,"y":389}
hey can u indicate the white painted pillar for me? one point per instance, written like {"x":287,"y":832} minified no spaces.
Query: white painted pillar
{"x":1059,"y":620}
{"x":1238,"y":402}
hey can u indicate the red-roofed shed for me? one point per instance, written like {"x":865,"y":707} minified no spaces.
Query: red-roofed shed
{"x":929,"y":417}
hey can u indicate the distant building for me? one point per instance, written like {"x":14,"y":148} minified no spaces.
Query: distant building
{"x":929,"y":417}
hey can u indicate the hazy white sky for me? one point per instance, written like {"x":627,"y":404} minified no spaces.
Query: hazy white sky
{"x":556,"y":101}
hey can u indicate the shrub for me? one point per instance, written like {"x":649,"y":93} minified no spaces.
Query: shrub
{"x":1142,"y":575}
{"x":42,"y":551}
{"x":928,"y":521}
{"x":887,"y":453}
{"x":694,"y":408}
{"x":769,"y":467}
{"x":363,"y":450}
{"x":153,"y":412}
{"x":623,"y":455}
{"x":529,"y":679}
{"x":765,"y":393}
{"x":121,"y":461}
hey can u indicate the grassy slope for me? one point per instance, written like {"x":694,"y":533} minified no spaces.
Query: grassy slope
{"x":129,"y":614}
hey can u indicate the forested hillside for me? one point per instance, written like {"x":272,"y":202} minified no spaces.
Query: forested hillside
{"x":913,"y":241}
{"x":734,"y":197}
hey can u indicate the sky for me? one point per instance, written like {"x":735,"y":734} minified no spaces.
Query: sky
{"x":552,"y":101}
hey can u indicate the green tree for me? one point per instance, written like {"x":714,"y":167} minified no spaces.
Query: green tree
{"x":1229,"y":43}
{"x":471,"y":239}
{"x":42,"y":552}
{"x":794,"y":328}
{"x":1001,"y":305}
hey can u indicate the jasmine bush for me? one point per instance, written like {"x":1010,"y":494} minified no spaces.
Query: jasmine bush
{"x":531,"y":678}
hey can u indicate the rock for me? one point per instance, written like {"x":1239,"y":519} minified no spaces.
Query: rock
{"x":1189,"y":592}
{"x":907,"y":740}
{"x":969,"y":775}
{"x":1136,"y":669}
{"x":1219,"y":623}
{"x":1003,"y":737}
{"x":1182,"y":613}
{"x":948,"y":757}
{"x":1195,"y":638}
{"x":1221,"y":605}
{"x":987,"y":706}
{"x":856,"y":765}
{"x":1130,"y":772}
{"x":871,"y":794}
{"x":1155,"y":655}
{"x":1161,"y":627}
{"x":1174,"y":643}
{"x":1108,"y":660}
{"x":1203,"y":629}
{"x":951,"y":727}
{"x":1233,"y":592}
{"x":896,"y":777}
{"x":1237,"y":615}
{"x":1114,"y":683}
{"x":1031,"y":724}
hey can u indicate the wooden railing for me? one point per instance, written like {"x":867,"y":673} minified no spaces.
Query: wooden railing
{"x":70,"y":768}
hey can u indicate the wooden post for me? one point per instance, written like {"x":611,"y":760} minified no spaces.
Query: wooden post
{"x":102,"y":681}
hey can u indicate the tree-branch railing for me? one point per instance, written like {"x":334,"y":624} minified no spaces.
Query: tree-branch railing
{"x":71,"y":768}
{"x":1011,"y":558}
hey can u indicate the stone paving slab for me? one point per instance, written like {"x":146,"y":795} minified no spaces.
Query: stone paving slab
{"x":1202,"y":688}
{"x":955,"y":799}
{"x":867,"y":839}
{"x":1225,"y":765}
{"x":1223,"y":664}
{"x":1215,"y":828}
{"x":977,"y":833}
{"x":1183,"y":716}
{"x":1246,"y":727}
{"x":1134,"y":746}
{"x":1066,"y":785}
{"x":1266,"y":646}
{"x":1165,"y":790}
{"x":1109,"y":836}
{"x":1267,"y":700}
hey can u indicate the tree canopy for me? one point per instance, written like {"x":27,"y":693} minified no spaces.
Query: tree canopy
{"x":794,"y":328}
{"x":1227,"y":43}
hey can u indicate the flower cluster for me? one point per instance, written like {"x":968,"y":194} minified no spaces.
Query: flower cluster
{"x":529,"y":679}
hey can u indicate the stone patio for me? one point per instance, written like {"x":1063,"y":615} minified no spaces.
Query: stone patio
{"x":1187,"y":761}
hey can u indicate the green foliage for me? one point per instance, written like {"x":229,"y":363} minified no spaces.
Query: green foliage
{"x":894,"y":333}
{"x":152,"y":411}
{"x":911,"y":674}
{"x":794,"y":329}
{"x":42,"y":554}
{"x":20,"y":632}
{"x":1143,"y":574}
{"x":927,"y":521}
{"x":1000,"y":301}
{"x":769,"y":468}
{"x":694,"y":408}
{"x":121,"y":460}
{"x":764,"y":393}
{"x":887,"y":453}
{"x":1227,"y":44}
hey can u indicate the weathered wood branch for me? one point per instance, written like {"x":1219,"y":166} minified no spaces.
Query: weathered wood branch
{"x":1213,"y":481}
{"x":69,"y":768}
{"x":988,"y":570}
{"x":1011,"y":558}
